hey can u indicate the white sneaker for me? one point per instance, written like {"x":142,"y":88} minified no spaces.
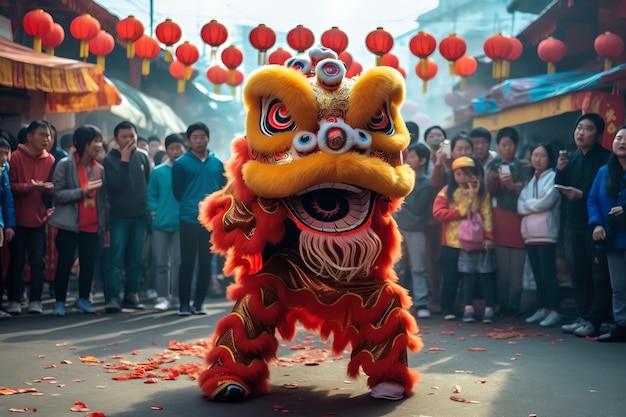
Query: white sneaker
{"x":552,"y":319}
{"x":14,"y":308}
{"x":571,"y":328}
{"x":4,"y":315}
{"x":151,"y":294}
{"x":162,"y":304}
{"x":586,"y":329}
{"x":539,"y":315}
{"x":423,"y":314}
{"x":35,"y":307}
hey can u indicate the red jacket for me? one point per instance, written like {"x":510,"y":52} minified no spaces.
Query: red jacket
{"x":30,"y":210}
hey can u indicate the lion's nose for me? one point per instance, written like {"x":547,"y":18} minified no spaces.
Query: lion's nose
{"x":336,"y":139}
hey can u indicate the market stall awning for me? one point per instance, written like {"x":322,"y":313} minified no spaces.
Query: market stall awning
{"x":151,"y":115}
{"x":70,"y":85}
{"x":523,"y":100}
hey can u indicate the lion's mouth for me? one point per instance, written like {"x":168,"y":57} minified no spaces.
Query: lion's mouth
{"x":331,"y":207}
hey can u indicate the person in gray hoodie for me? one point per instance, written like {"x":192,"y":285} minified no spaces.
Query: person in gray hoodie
{"x":412,"y":220}
{"x":80,"y":215}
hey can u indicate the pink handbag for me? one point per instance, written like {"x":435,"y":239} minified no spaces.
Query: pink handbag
{"x":471,"y":233}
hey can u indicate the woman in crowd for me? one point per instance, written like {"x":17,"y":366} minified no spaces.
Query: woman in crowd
{"x":80,"y":215}
{"x":605,"y":205}
{"x":539,"y":204}
{"x":505,"y":180}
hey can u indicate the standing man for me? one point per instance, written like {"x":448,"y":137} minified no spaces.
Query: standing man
{"x":31,"y":180}
{"x":588,"y":267}
{"x":481,"y":138}
{"x":196,"y":174}
{"x":128,"y":173}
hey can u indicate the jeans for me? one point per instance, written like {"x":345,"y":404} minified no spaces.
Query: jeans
{"x":579,"y":253}
{"x":194,"y":244}
{"x":617,"y":268}
{"x":66,"y":243}
{"x":166,"y":258}
{"x":415,"y":244}
{"x":127,"y":238}
{"x":542,"y":260}
{"x":449,"y":262}
{"x":487,"y":285}
{"x":31,"y":241}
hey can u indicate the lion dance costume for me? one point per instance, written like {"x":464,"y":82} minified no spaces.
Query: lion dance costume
{"x":305,"y":224}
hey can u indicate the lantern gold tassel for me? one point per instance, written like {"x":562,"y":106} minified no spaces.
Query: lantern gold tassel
{"x":168,"y":54}
{"x":100,"y":62}
{"x":181,"y":86}
{"x":37,"y":44}
{"x":452,"y":68}
{"x":50,"y":51}
{"x":424,"y":87}
{"x":551,"y":68}
{"x":145,"y":67}
{"x":130,"y":49}
{"x":607,"y":64}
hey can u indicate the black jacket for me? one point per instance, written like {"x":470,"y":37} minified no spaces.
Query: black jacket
{"x":127,"y":184}
{"x":580,"y":173}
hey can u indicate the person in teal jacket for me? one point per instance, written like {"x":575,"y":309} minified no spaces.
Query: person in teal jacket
{"x":196,"y":174}
{"x":164,"y":210}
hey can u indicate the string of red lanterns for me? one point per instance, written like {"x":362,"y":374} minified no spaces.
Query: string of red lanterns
{"x":217,"y":75}
{"x":501,"y":49}
{"x":428,"y":74}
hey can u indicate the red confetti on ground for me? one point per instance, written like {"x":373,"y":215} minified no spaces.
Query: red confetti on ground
{"x":66,"y":362}
{"x":156,"y":407}
{"x":463,"y":400}
{"x":481,"y":381}
{"x":12,"y":391}
{"x":41,"y":356}
{"x":136,"y":352}
{"x":150,"y":381}
{"x":505,"y":333}
{"x":447,"y":333}
{"x":477,"y":349}
{"x":19,"y":410}
{"x":79,"y":406}
{"x":96,"y":414}
{"x":435,"y":349}
{"x":61,"y":344}
{"x":462,"y":339}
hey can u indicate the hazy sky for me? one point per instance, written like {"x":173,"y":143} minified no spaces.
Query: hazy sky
{"x":355,"y":17}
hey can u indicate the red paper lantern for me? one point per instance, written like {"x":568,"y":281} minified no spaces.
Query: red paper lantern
{"x":390,"y":60}
{"x":379,"y":42}
{"x":498,"y":48}
{"x":84,"y":28}
{"x":551,"y":50}
{"x":464,"y":67}
{"x":214,"y":34}
{"x":37,"y":23}
{"x":422,"y":46}
{"x":168,"y":33}
{"x":217,"y":75}
{"x":130,"y":30}
{"x":346,"y":58}
{"x":335,"y":39}
{"x":235,"y":81}
{"x":278,"y":57}
{"x":428,"y":74}
{"x":354,"y":70}
{"x":452,"y":47}
{"x":54,"y":38}
{"x":262,"y":38}
{"x":300,"y":38}
{"x":188,"y":55}
{"x":101,"y":45}
{"x":608,"y":46}
{"x":232,"y":58}
{"x":516,"y":51}
{"x":402,"y":71}
{"x":146,"y":48}
{"x":178,"y":70}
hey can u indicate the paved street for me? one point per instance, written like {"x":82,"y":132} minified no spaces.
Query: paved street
{"x":518,"y":371}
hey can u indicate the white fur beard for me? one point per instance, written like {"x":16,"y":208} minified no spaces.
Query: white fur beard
{"x":340,"y":257}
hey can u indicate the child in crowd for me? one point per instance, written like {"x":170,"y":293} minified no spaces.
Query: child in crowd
{"x":412,"y":221}
{"x":164,"y":210}
{"x":539,"y":204}
{"x":454,"y":203}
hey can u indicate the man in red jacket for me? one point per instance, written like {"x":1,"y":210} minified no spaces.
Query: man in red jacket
{"x":31,"y":178}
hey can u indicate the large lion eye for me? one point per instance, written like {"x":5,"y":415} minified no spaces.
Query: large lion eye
{"x":382,"y":122}
{"x":274,"y":117}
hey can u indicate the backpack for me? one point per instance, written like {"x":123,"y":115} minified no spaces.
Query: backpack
{"x":471,"y":233}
